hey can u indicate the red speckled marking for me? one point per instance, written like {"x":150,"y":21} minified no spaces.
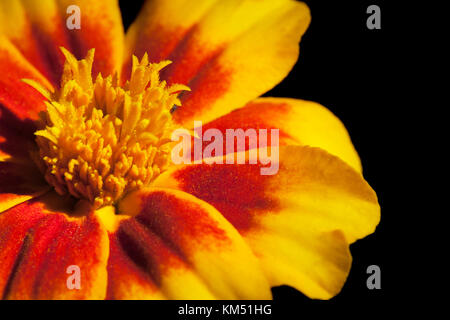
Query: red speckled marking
{"x":237,"y":191}
{"x":210,"y":83}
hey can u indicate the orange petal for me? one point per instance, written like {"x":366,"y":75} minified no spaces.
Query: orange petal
{"x":227,"y":52}
{"x":19,"y":182}
{"x":303,"y":217}
{"x":299,"y":123}
{"x":38,"y":29}
{"x":38,"y":245}
{"x":179,"y":247}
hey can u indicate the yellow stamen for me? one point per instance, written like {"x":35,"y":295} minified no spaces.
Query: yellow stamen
{"x":99,"y":140}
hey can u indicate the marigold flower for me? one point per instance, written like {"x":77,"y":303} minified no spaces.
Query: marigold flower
{"x":85,"y":173}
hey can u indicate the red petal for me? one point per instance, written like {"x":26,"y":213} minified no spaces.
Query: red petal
{"x":15,"y":95}
{"x":38,"y":245}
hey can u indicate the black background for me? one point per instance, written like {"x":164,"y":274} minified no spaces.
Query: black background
{"x":347,"y":68}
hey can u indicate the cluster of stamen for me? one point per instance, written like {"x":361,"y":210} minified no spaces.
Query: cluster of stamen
{"x":99,"y":140}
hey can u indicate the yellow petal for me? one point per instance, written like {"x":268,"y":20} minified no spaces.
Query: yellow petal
{"x":303,"y":217}
{"x":185,"y":249}
{"x":227,"y":52}
{"x":299,"y":122}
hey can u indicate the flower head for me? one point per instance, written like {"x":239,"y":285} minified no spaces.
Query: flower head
{"x":86,"y":179}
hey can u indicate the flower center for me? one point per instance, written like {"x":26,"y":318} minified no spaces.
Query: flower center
{"x":99,"y":140}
